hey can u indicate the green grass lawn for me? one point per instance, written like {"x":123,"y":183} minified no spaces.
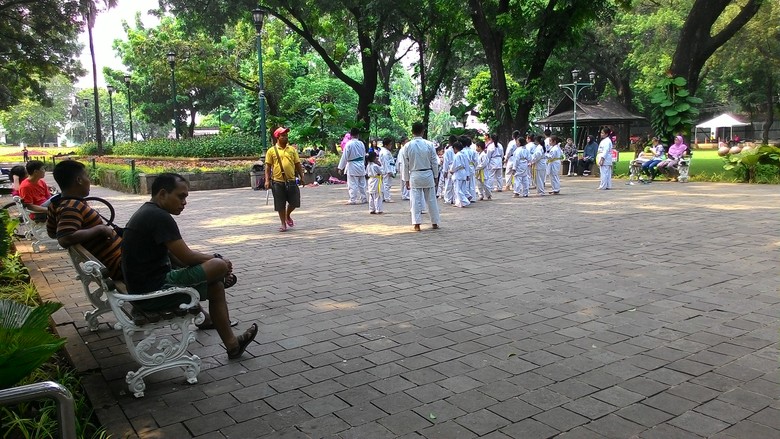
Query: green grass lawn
{"x":14,"y":153}
{"x":705,"y":164}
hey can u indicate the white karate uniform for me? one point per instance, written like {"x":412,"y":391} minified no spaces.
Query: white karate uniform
{"x":399,"y":164}
{"x":459,"y":170}
{"x":531,"y":147}
{"x":375,"y":176}
{"x":540,"y":161}
{"x":554,"y":157}
{"x":473,"y":157}
{"x":508,"y":163}
{"x":446,"y":164}
{"x":522,"y":173}
{"x":420,"y":167}
{"x":353,"y":160}
{"x":495,"y":166}
{"x":482,"y":188}
{"x":605,"y":168}
{"x":388,"y":170}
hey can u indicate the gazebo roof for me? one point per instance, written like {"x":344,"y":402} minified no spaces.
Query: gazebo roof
{"x":606,"y":112}
{"x":723,"y":121}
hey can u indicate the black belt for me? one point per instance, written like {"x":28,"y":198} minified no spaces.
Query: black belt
{"x":420,"y":170}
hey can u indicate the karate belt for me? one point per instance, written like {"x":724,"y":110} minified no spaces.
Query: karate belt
{"x":358,"y":159}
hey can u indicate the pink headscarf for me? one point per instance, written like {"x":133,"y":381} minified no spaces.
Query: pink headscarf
{"x":347,"y":138}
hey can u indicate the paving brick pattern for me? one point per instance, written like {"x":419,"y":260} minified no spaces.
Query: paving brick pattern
{"x":645,"y":311}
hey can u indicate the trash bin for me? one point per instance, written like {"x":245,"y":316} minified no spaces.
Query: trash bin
{"x":257,"y":177}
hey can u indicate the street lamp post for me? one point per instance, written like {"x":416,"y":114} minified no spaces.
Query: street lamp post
{"x":172,"y":62}
{"x":257,"y":17}
{"x":86,"y":119}
{"x":129,"y":106}
{"x":573,"y":91}
{"x":111,"y":107}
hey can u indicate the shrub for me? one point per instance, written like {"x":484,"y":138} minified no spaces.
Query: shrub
{"x":223,"y":145}
{"x":755,"y":165}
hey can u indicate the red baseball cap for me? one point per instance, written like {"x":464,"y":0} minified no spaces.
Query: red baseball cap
{"x":279,"y":131}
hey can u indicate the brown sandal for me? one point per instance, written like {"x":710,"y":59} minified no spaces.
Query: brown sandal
{"x":243,"y":341}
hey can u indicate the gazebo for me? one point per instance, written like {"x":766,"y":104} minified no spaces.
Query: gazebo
{"x":724,"y":121}
{"x":589,"y":114}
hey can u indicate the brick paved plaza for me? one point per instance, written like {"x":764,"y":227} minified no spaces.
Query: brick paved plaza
{"x":645,"y":311}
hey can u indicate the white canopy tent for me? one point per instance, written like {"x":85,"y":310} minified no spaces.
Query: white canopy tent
{"x":723,"y":121}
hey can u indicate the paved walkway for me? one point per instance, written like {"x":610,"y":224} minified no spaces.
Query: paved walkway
{"x":645,"y":311}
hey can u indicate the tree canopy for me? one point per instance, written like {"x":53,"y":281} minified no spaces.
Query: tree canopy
{"x":330,"y":65}
{"x":38,"y":41}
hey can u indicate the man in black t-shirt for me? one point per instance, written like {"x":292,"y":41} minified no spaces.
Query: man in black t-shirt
{"x":153,"y":252}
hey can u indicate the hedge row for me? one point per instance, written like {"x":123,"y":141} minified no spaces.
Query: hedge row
{"x":223,"y":145}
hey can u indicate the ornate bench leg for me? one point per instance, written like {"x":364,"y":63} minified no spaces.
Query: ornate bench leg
{"x":135,"y":379}
{"x":684,"y":168}
{"x":159,"y":351}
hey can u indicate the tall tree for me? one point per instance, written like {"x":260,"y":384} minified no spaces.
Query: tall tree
{"x":201,"y":83}
{"x":38,"y":40}
{"x":35,"y":123}
{"x":438,"y":27}
{"x":90,"y":9}
{"x":322,"y":23}
{"x":748,"y":67}
{"x":700,"y":37}
{"x":518,"y":38}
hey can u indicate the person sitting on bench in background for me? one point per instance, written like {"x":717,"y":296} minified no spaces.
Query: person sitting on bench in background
{"x":588,"y":156}
{"x":34,"y":191}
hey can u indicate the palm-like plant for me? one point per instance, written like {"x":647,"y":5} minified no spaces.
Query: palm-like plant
{"x":25,"y":342}
{"x":90,"y":9}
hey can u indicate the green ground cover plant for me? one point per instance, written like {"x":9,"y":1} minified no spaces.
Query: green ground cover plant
{"x":26,"y":348}
{"x":223,"y":145}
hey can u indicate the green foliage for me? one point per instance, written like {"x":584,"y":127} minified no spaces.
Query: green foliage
{"x":675,"y":110}
{"x":755,"y":165}
{"x":482,"y":94}
{"x":34,"y":123}
{"x":40,"y":41}
{"x":38,"y":419}
{"x":223,"y":145}
{"x":25,"y":342}
{"x":7,"y":227}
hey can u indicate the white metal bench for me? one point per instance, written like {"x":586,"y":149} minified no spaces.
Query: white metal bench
{"x":33,"y":230}
{"x":681,"y":171}
{"x":148,"y":335}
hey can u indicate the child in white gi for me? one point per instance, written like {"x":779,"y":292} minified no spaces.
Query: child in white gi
{"x":540,"y":162}
{"x":510,"y":152}
{"x":460,"y":175}
{"x":554,"y":156}
{"x":374,"y":170}
{"x":446,"y":164}
{"x":482,"y":188}
{"x":471,"y":153}
{"x":604,"y":159}
{"x":521,"y":172}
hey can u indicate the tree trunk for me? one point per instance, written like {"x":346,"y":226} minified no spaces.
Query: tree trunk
{"x":492,"y":40}
{"x":770,"y":110}
{"x":696,"y":44}
{"x":98,"y":129}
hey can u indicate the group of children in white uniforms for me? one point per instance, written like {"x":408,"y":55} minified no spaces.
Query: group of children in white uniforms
{"x":469,"y":174}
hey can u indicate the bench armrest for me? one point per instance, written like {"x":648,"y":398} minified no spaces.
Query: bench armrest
{"x":192,"y":292}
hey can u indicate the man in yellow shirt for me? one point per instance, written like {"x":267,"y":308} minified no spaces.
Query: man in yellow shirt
{"x":282,"y":164}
